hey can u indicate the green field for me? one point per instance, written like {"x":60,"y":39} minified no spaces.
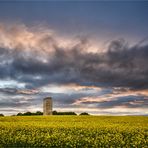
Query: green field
{"x":74,"y":131}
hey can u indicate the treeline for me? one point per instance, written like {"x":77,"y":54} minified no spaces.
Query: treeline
{"x":41,"y":113}
{"x":63,"y":113}
{"x":30,"y":113}
{"x":53,"y":113}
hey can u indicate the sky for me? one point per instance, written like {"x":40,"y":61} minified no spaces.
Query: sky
{"x":89,"y":56}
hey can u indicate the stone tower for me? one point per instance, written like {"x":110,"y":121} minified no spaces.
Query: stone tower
{"x":47,"y":106}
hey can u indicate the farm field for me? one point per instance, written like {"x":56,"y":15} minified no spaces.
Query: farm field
{"x":74,"y":131}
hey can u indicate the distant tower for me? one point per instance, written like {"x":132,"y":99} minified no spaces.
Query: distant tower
{"x":47,"y":106}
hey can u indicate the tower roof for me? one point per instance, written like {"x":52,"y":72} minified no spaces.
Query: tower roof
{"x":47,"y":98}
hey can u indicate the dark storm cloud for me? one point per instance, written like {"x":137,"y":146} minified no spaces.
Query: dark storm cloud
{"x":8,"y":91}
{"x":16,"y":91}
{"x":121,"y":66}
{"x":23,"y":60}
{"x":15,"y":102}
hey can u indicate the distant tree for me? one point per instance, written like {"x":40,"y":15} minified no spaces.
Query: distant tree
{"x":1,"y":115}
{"x":54,"y":112}
{"x":19,"y":114}
{"x":84,"y":113}
{"x":38,"y":113}
{"x":27,"y":114}
{"x":63,"y":113}
{"x":66,"y":113}
{"x":30,"y":114}
{"x":70,"y":113}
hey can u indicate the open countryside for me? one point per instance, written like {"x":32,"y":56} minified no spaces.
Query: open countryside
{"x":73,"y":74}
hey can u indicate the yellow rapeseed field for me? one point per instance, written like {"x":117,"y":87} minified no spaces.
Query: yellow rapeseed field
{"x":74,"y":131}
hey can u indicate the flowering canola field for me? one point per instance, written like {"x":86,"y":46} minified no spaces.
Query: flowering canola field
{"x":74,"y":131}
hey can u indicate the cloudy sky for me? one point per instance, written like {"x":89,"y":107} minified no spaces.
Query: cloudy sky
{"x":88,"y":56}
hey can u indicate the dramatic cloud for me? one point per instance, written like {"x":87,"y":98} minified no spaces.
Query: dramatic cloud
{"x":38,"y":58}
{"x":121,"y":65}
{"x":113,"y":101}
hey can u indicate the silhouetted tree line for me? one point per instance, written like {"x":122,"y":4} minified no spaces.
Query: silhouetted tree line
{"x":54,"y":113}
{"x":30,"y":113}
{"x":1,"y":115}
{"x":63,"y":113}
